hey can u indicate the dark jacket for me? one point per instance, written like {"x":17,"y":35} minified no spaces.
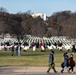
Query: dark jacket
{"x":12,"y":48}
{"x":51,"y":57}
{"x":66,"y":60}
{"x":71,"y":61}
{"x":17,"y":48}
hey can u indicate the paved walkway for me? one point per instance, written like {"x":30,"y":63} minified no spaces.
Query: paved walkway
{"x":29,"y":69}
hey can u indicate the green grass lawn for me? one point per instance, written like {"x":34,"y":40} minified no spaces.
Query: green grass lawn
{"x":30,"y":58}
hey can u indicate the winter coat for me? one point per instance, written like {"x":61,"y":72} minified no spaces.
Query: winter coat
{"x":71,"y":61}
{"x":51,"y":57}
{"x":66,"y":60}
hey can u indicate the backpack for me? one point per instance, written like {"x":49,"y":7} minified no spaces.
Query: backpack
{"x":62,"y":65}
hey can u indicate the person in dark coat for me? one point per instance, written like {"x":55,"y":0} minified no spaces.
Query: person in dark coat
{"x":51,"y":62}
{"x":17,"y":50}
{"x":73,"y":49}
{"x":12,"y":50}
{"x":66,"y":63}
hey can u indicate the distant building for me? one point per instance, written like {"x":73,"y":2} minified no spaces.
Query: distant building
{"x":43,"y":16}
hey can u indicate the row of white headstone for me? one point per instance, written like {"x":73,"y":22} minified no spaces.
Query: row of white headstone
{"x":67,"y":44}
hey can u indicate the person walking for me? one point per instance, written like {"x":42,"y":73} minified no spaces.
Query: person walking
{"x":66,"y":63}
{"x":51,"y":62}
{"x":72,"y":62}
{"x":12,"y":50}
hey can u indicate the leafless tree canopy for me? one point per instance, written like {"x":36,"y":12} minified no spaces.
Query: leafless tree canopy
{"x":61,"y":23}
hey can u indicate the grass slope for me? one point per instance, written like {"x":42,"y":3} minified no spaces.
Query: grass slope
{"x":30,"y":58}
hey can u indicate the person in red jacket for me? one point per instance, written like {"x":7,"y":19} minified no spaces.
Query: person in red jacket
{"x":42,"y":47}
{"x":71,"y":62}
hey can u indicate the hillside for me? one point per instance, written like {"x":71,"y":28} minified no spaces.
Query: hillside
{"x":58,"y":24}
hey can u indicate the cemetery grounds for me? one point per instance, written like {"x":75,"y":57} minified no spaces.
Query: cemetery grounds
{"x":31,"y":58}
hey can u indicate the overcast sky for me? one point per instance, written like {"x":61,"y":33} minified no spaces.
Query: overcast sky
{"x":38,"y":6}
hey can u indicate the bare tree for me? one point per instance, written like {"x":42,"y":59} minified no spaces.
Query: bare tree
{"x":2,"y":9}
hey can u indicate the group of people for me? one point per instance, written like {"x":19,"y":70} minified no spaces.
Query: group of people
{"x":18,"y":49}
{"x":68,"y":63}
